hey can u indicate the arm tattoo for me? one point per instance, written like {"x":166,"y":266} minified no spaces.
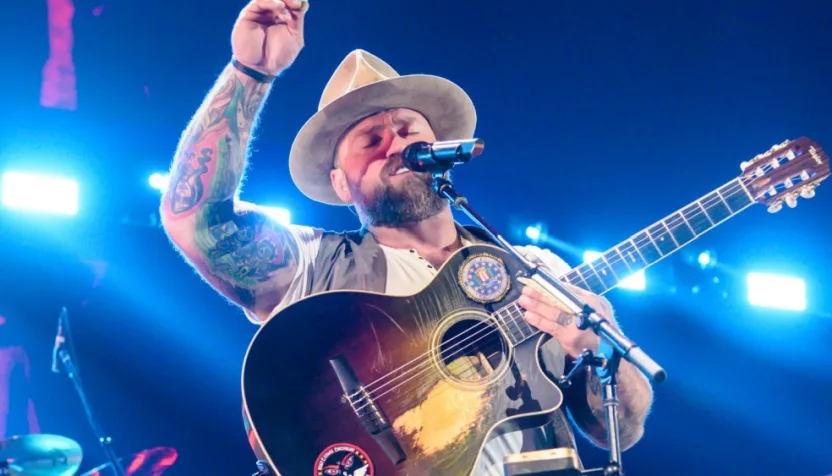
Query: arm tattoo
{"x":238,"y":252}
{"x":210,"y":161}
{"x":244,"y":250}
{"x":594,"y":383}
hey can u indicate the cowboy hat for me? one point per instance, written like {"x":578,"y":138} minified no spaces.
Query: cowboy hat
{"x":361,"y":86}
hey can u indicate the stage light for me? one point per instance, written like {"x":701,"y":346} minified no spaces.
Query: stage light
{"x":706,"y":259}
{"x":280,"y":215}
{"x":775,"y":291}
{"x":635,"y":282}
{"x":158,"y":181}
{"x":533,"y":233}
{"x":40,"y":193}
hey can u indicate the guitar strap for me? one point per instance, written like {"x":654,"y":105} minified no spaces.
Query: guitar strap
{"x":353,"y":260}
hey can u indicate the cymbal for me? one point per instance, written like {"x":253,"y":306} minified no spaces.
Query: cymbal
{"x":41,"y":455}
{"x":150,"y":462}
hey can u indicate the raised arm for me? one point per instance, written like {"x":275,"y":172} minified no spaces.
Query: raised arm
{"x":247,"y":257}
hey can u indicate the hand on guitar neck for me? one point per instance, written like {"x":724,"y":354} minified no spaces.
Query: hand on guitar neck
{"x":551,"y":316}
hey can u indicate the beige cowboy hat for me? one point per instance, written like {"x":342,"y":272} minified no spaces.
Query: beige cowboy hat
{"x":361,"y":86}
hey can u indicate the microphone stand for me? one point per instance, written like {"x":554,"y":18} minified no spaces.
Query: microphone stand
{"x":614,"y":345}
{"x":106,"y":441}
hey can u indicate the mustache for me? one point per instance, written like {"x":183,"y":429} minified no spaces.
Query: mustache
{"x":394,"y":163}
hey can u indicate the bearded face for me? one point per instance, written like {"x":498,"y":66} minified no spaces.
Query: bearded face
{"x":398,"y":199}
{"x":369,"y":164}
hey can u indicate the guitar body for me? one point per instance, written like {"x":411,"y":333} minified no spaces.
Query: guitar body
{"x":431,"y":377}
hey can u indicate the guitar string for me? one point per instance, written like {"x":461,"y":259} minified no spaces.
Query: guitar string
{"x":695,"y":215}
{"x":485,"y":324}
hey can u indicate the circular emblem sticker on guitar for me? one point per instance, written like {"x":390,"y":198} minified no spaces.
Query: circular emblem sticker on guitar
{"x":343,"y":459}
{"x":484,"y":278}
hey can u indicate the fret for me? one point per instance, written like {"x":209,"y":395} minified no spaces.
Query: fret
{"x":517,"y":317}
{"x":617,"y":265}
{"x":719,"y":194}
{"x":593,"y":281}
{"x":736,"y":196}
{"x":745,"y":189}
{"x":621,"y":260}
{"x":705,"y":212}
{"x":513,"y":331}
{"x":512,"y":315}
{"x":717,"y":208}
{"x":602,"y":270}
{"x":697,"y":218}
{"x":662,"y":238}
{"x":648,"y":248}
{"x":679,"y":229}
{"x":667,"y":230}
{"x":574,"y":277}
{"x":632,"y":255}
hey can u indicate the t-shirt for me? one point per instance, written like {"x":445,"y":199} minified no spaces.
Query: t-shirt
{"x":408,"y":273}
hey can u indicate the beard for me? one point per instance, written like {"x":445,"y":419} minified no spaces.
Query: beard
{"x":410,"y":201}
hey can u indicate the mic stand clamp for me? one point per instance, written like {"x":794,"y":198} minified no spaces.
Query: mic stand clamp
{"x":606,"y":370}
{"x":613,"y":344}
{"x":106,"y":441}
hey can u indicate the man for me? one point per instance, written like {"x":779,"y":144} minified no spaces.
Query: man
{"x":349,"y":153}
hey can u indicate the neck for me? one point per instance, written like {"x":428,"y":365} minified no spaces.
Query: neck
{"x":435,"y":233}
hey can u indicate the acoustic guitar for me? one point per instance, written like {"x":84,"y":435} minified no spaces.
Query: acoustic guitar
{"x":360,"y":383}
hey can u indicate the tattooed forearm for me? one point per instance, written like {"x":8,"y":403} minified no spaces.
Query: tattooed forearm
{"x":243,"y":254}
{"x":634,"y":399}
{"x":210,"y":160}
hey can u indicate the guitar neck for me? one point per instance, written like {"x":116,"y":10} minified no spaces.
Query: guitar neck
{"x":661,"y":239}
{"x":644,"y":249}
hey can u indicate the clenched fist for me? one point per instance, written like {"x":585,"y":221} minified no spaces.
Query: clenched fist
{"x":268,"y":34}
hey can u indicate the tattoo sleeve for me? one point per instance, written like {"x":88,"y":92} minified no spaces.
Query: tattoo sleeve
{"x":243,"y":254}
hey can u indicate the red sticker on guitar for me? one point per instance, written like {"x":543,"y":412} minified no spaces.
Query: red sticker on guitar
{"x":343,"y":459}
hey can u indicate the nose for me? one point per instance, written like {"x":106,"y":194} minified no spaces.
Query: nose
{"x":397,"y":144}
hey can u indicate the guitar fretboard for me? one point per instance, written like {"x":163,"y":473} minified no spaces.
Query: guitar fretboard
{"x":642,"y":250}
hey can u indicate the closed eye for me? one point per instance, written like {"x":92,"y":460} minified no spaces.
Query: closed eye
{"x":372,"y":142}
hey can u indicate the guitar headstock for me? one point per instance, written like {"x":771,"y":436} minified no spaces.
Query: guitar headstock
{"x":785,"y":172}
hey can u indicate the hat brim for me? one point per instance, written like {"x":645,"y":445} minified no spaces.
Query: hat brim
{"x":448,"y":109}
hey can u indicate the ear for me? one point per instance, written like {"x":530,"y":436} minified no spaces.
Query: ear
{"x":339,"y":183}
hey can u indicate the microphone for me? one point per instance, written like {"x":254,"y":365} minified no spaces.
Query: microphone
{"x":440,"y":156}
{"x":59,"y":340}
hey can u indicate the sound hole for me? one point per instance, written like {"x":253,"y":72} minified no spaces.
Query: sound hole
{"x":472,"y":350}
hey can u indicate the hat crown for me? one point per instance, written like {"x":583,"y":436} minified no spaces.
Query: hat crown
{"x":358,"y":69}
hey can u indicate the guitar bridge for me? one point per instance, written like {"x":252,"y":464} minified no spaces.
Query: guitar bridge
{"x":366,"y":410}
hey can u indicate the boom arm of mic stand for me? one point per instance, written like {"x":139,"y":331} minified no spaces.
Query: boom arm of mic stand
{"x":587,"y":316}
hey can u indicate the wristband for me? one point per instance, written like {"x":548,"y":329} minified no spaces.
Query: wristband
{"x":252,"y":73}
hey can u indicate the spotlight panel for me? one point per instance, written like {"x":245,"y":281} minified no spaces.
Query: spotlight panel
{"x":39,"y":193}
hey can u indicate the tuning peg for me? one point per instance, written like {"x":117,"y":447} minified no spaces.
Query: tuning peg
{"x":775,"y":207}
{"x":807,"y":192}
{"x":791,"y":200}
